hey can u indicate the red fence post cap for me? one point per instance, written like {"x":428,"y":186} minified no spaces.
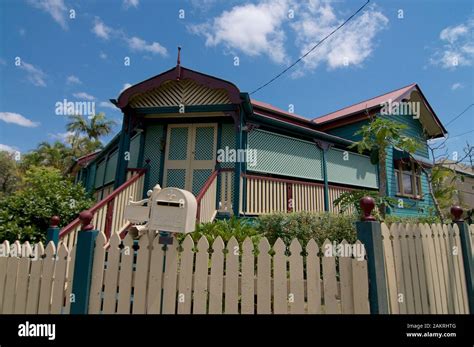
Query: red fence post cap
{"x":456,"y":212}
{"x":54,"y":222}
{"x":86,"y":217}
{"x":367,"y":204}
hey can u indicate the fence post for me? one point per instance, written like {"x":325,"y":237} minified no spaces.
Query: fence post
{"x":83,"y":264}
{"x":53,"y":231}
{"x":370,"y":234}
{"x":465,"y":237}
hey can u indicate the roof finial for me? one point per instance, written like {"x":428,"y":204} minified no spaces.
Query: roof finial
{"x":178,"y":64}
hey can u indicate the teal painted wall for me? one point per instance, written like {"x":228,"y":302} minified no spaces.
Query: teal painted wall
{"x":99,"y":174}
{"x":111,"y":168}
{"x":348,"y":131}
{"x":411,"y":207}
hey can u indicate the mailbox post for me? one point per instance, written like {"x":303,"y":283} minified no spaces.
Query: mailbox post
{"x":167,"y":211}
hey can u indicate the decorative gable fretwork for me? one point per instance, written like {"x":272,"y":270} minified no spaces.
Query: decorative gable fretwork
{"x":185,"y":92}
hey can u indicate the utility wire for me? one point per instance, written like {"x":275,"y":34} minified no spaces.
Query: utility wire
{"x":467,"y":132}
{"x":312,"y":49}
{"x":459,"y":115}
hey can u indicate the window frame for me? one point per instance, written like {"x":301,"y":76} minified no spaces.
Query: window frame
{"x":415,"y":179}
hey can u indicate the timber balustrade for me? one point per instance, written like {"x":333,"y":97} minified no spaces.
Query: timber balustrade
{"x":108,"y":213}
{"x":270,"y":195}
{"x":207,"y":197}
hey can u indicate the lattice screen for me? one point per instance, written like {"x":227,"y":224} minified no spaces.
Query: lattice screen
{"x":283,"y":155}
{"x":350,"y":168}
{"x":153,"y":138}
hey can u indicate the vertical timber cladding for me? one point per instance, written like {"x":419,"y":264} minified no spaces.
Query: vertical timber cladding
{"x":283,"y":155}
{"x":350,"y":168}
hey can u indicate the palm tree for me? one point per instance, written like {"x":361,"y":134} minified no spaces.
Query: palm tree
{"x":97,"y":127}
{"x":57,"y":155}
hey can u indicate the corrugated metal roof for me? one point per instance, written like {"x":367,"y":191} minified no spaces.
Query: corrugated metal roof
{"x":366,"y":104}
{"x":262,"y":104}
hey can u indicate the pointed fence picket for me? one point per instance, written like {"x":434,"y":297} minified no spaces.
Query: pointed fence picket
{"x":223,"y":278}
{"x":34,"y":280}
{"x":144,"y":276}
{"x":424,"y":269}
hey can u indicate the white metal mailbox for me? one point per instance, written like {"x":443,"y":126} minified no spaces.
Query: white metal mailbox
{"x":173,"y":210}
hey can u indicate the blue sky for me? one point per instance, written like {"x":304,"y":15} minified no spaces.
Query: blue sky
{"x":82,"y":58}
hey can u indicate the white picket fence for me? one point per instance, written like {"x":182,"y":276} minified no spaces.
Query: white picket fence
{"x":230,"y":280}
{"x":424,"y":268}
{"x":35,"y":280}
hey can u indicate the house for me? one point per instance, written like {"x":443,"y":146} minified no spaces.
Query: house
{"x":240,"y":156}
{"x":464,"y":183}
{"x":405,"y":180}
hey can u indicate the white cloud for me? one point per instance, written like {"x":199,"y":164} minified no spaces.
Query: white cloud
{"x":101,"y":30}
{"x":34,"y":75}
{"x":73,"y":80}
{"x":84,"y":95}
{"x":452,"y":34}
{"x":102,"y":55}
{"x":139,"y":45}
{"x":264,"y":28}
{"x":125,"y":86}
{"x":351,"y":45}
{"x":7,"y":148}
{"x":135,"y":43}
{"x":108,"y":104}
{"x":130,"y":3}
{"x":18,"y":119}
{"x":56,"y":8}
{"x":457,"y":46}
{"x":254,"y":29}
{"x":456,"y":86}
{"x":63,"y":137}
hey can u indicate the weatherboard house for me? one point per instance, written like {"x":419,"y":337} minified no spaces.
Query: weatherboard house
{"x":242,"y":157}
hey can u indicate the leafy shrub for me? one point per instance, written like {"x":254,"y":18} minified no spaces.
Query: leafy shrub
{"x":305,"y":225}
{"x":25,"y":214}
{"x":430,"y":219}
{"x":239,"y":228}
{"x":352,"y":199}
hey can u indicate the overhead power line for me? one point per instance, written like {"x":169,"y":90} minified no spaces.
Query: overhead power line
{"x":459,"y":115}
{"x":311,"y":50}
{"x":467,"y":132}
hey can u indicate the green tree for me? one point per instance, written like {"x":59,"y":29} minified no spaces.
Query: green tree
{"x":378,"y":135}
{"x":25,"y":214}
{"x":97,"y":126}
{"x":9,"y":173}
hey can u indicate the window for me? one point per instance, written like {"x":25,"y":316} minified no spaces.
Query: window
{"x":408,"y":179}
